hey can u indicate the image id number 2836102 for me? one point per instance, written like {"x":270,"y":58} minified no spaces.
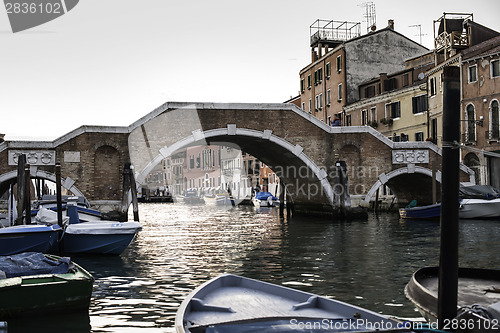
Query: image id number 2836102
{"x":33,"y":8}
{"x":462,"y":324}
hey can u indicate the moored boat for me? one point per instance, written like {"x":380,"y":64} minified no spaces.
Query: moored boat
{"x":478,"y":293}
{"x":224,"y":199}
{"x":34,"y":283}
{"x":265,"y":199}
{"x":231,"y":303}
{"x":30,"y":237}
{"x":105,"y":237}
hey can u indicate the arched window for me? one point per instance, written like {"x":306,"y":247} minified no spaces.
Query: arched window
{"x":470,"y":116}
{"x":494,"y":120}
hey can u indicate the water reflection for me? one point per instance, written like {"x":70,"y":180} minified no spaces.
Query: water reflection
{"x":366,"y":263}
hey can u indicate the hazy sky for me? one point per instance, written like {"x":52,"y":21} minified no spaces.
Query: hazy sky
{"x":110,"y":62}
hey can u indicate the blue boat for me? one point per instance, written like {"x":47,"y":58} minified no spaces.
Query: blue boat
{"x":429,"y":212}
{"x":101,"y":237}
{"x":29,"y":238}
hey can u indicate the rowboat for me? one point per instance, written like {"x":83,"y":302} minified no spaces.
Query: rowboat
{"x":478,"y":293}
{"x":231,"y":303}
{"x":34,"y":283}
{"x":29,"y":237}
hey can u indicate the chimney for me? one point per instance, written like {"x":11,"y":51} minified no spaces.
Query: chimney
{"x":314,"y":55}
{"x":390,"y":24}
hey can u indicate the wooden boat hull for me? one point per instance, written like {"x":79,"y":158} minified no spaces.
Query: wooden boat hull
{"x":231,"y":303}
{"x":46,"y":293}
{"x":475,"y":286}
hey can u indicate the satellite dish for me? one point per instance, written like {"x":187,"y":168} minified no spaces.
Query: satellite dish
{"x":421,"y":76}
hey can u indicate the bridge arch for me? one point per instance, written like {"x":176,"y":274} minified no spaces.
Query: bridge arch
{"x":66,"y":183}
{"x":276,"y":151}
{"x":418,"y":174}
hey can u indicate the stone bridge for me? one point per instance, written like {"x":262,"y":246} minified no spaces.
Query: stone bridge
{"x":302,"y":150}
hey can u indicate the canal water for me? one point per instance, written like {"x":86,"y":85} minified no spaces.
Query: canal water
{"x":364,"y":262}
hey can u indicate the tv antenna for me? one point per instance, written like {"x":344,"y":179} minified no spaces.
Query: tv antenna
{"x":420,"y":34}
{"x":370,"y":16}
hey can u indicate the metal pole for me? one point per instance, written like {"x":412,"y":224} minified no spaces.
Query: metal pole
{"x":448,"y":261}
{"x":58,"y":195}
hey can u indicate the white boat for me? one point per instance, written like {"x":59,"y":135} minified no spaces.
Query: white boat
{"x":231,"y":303}
{"x":265,"y":199}
{"x":28,"y":238}
{"x":479,"y":209}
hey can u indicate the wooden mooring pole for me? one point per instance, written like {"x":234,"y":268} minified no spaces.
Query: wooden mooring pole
{"x":59,"y":195}
{"x":448,"y":260}
{"x":21,"y":186}
{"x":27,"y":195}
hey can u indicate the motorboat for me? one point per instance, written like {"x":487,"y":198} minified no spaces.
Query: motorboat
{"x":476,"y":202}
{"x":224,"y":199}
{"x":191,"y":197}
{"x":85,"y":213}
{"x":265,"y":199}
{"x":102,"y":237}
{"x":35,"y":283}
{"x":478,"y":294}
{"x":29,"y":237}
{"x":232,"y":303}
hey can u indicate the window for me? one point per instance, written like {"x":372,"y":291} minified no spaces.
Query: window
{"x":303,"y":106}
{"x":329,"y":120}
{"x":495,"y":120}
{"x":328,"y":70}
{"x":318,"y":76}
{"x":390,"y":84}
{"x":364,"y":114}
{"x":310,"y":105}
{"x":432,"y":84}
{"x":369,"y":91}
{"x":372,"y":114}
{"x":472,"y":74}
{"x":470,"y":116}
{"x":316,"y":102}
{"x":495,"y":68}
{"x":404,"y":137}
{"x":406,"y":80}
{"x":393,"y":110}
{"x":419,"y":104}
{"x":328,"y":97}
{"x":302,"y":85}
{"x":339,"y":98}
{"x":348,"y":120}
{"x":419,"y":136}
{"x":339,"y":63}
{"x":309,"y":81}
{"x":320,"y":105}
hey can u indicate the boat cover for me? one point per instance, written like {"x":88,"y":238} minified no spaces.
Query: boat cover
{"x":32,"y":263}
{"x":24,"y":228}
{"x":264,"y":196}
{"x":479,"y":192}
{"x":103,"y":228}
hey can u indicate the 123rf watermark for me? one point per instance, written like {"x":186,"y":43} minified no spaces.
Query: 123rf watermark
{"x":27,"y":14}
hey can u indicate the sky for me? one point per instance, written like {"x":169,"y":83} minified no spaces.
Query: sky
{"x":111,"y":62}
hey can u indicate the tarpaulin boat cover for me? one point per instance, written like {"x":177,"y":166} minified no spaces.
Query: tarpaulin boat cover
{"x":479,"y":192}
{"x":32,"y":263}
{"x":264,"y":196}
